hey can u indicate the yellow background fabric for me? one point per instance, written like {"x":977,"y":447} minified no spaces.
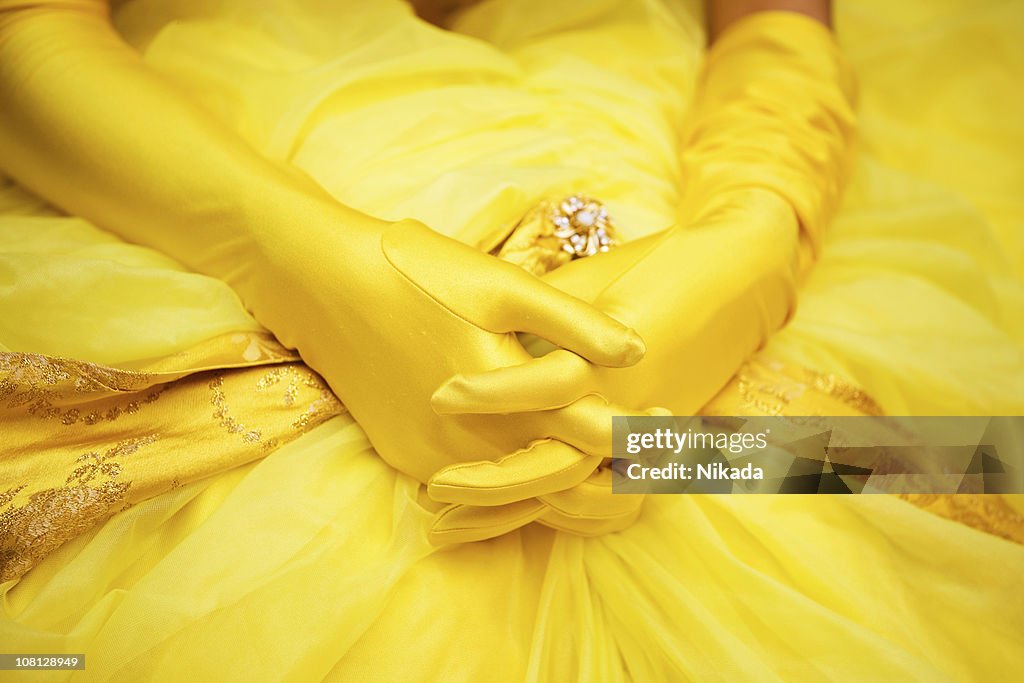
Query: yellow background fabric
{"x":313,"y":562}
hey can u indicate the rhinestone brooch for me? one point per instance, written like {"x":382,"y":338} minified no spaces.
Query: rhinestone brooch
{"x":583,"y":226}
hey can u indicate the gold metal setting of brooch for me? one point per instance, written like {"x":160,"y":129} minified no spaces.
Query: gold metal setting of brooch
{"x":583,"y":226}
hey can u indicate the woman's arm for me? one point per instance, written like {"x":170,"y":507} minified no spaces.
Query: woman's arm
{"x":86,"y":124}
{"x":764,"y":154}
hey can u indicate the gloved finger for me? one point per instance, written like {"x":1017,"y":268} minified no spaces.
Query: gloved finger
{"x":591,"y":508}
{"x":582,"y":437}
{"x":585,"y":424}
{"x":587,"y":509}
{"x":551,"y":381}
{"x":593,"y":498}
{"x":499,"y":297}
{"x":589,"y":526}
{"x":542,"y":467}
{"x":464,"y":523}
{"x":536,"y":307}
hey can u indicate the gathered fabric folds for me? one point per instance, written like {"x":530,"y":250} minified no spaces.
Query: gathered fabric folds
{"x":282,"y":546}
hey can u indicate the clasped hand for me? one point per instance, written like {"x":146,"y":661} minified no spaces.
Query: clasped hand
{"x":704,"y":296}
{"x":419,"y":309}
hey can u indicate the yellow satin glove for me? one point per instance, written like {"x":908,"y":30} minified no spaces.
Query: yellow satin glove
{"x":384,"y":312}
{"x":764,"y":163}
{"x":387,"y":316}
{"x":486,"y":501}
{"x":774,"y":111}
{"x":703,"y":298}
{"x":703,"y":305}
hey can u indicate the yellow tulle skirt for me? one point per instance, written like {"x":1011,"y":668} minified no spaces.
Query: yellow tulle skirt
{"x":312,"y":562}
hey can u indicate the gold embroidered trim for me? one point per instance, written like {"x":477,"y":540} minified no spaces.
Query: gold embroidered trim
{"x":748,"y":389}
{"x":38,"y":384}
{"x":56,"y":493}
{"x":53,"y":516}
{"x":989,"y":513}
{"x":33,"y":370}
{"x":770,"y":388}
{"x":71,"y":416}
{"x":848,"y":393}
{"x":324,"y":405}
{"x":221,"y":413}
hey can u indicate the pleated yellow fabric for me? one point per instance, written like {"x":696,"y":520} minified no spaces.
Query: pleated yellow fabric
{"x":315,"y":563}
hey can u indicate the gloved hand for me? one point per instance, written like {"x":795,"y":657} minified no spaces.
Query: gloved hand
{"x":482,"y":506}
{"x":384,"y":312}
{"x":386,"y":316}
{"x":764,"y":161}
{"x":704,"y":306}
{"x":490,"y":498}
{"x":704,"y":298}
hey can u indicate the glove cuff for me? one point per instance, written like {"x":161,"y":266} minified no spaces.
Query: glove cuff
{"x":774,"y":110}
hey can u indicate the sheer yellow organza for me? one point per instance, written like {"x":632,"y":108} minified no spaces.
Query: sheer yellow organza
{"x":313,"y":561}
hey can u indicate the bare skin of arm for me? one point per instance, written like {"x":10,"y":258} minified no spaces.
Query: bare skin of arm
{"x":722,"y":13}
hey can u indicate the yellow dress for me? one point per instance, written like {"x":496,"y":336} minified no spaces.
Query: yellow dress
{"x":311,"y":560}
